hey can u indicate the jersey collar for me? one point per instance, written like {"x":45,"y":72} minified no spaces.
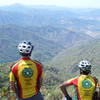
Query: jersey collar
{"x":25,"y":58}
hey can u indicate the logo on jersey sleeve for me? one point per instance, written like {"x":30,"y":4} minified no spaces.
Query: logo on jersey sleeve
{"x":27,"y":72}
{"x":86,"y":84}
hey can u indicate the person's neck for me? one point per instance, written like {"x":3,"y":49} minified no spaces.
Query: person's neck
{"x":84,"y":73}
{"x":25,"y":56}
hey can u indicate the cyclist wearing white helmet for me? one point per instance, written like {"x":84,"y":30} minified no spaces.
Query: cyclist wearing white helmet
{"x":27,"y":74}
{"x":25,"y":48}
{"x":85,"y":67}
{"x":84,"y":84}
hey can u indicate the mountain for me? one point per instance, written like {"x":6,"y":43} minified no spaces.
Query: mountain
{"x":10,"y":37}
{"x":72,"y":19}
{"x":67,"y":60}
{"x":48,"y":41}
{"x":26,"y":8}
{"x":62,"y":67}
{"x":33,"y":15}
{"x":60,"y":35}
{"x":93,"y":12}
{"x":61,"y":38}
{"x":48,"y":27}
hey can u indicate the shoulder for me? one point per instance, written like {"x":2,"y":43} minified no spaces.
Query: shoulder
{"x":13,"y":64}
{"x":73,"y":79}
{"x":39,"y":66}
{"x":95,"y":79}
{"x":37,"y":62}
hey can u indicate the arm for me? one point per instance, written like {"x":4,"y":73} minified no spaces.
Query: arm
{"x":12,"y":87}
{"x":63,"y":87}
{"x":40,"y":77}
{"x":64,"y":91}
{"x":12,"y":82}
{"x":95,"y":95}
{"x":40,"y":83}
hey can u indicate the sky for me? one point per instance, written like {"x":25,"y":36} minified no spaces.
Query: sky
{"x":62,"y":3}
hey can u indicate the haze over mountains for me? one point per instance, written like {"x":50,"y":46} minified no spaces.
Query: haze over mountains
{"x":51,"y":29}
{"x":61,"y":38}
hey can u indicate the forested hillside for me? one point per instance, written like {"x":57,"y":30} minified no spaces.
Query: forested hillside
{"x":67,"y":60}
{"x":12,"y":35}
{"x":61,"y":38}
{"x":47,"y":41}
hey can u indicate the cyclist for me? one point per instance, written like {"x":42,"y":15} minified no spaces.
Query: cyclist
{"x":84,"y":84}
{"x":26,"y":75}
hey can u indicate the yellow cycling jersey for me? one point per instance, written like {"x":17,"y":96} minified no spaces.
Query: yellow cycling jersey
{"x":85,"y":86}
{"x":27,"y":73}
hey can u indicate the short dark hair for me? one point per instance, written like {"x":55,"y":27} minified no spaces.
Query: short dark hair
{"x":25,"y":55}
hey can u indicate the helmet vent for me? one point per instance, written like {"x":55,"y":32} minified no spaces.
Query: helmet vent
{"x":25,"y":47}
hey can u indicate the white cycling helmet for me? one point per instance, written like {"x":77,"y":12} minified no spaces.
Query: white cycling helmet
{"x":25,"y":47}
{"x":84,"y":64}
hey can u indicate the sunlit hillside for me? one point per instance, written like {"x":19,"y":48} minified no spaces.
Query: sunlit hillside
{"x":61,"y":38}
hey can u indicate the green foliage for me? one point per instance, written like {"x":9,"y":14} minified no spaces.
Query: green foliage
{"x":69,"y":59}
{"x":56,"y":31}
{"x":54,"y":95}
{"x":11,"y":35}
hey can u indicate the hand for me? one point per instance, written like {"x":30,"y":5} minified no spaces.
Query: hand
{"x":68,"y":98}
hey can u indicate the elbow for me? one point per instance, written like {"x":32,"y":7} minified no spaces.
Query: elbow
{"x":12,"y":84}
{"x":62,"y":87}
